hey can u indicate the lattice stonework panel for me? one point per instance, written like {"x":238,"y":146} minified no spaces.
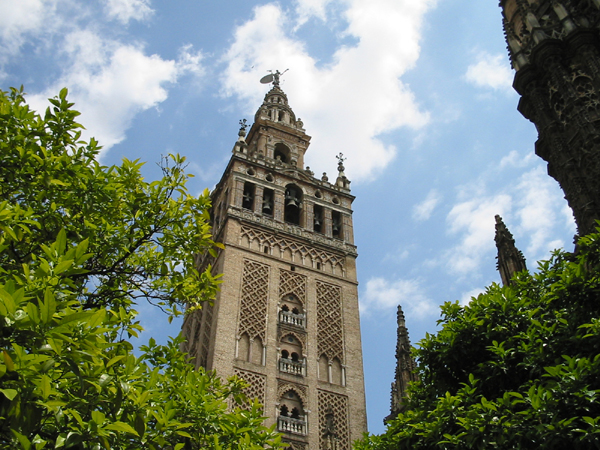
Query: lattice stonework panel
{"x":292,"y":283}
{"x":253,"y":307}
{"x":207,"y":312}
{"x":257,"y":386}
{"x":338,"y":404}
{"x":329,"y":321}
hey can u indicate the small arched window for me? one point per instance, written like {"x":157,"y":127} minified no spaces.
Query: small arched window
{"x":293,"y":204}
{"x":248,"y":196}
{"x":318,"y":219}
{"x":267,"y":202}
{"x":336,"y":224}
{"x":282,"y":153}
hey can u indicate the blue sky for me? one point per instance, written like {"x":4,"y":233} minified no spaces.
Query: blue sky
{"x":416,"y":94}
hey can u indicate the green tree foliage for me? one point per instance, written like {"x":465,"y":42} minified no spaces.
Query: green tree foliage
{"x":518,"y":368}
{"x":80,"y":243}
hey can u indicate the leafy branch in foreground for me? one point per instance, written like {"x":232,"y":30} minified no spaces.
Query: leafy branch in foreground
{"x":517,"y":368}
{"x":80,"y":243}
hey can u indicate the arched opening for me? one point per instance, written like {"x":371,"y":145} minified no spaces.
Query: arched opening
{"x":243,"y":347}
{"x":282,"y":153}
{"x":336,"y":371}
{"x":248,"y":196}
{"x":292,"y":418}
{"x":323,"y":368}
{"x":292,"y":312}
{"x":267,"y":202}
{"x":336,"y":224}
{"x":257,"y":351}
{"x":293,"y":204}
{"x":291,"y":360}
{"x":318,"y":219}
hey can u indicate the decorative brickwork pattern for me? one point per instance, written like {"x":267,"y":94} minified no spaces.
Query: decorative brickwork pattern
{"x":283,"y":331}
{"x":253,"y":307}
{"x":300,"y":252}
{"x":292,"y":283}
{"x":257,"y":386}
{"x":339,"y":405}
{"x":329,"y":321}
{"x":207,"y":316}
{"x":284,"y":386}
{"x":295,"y":445}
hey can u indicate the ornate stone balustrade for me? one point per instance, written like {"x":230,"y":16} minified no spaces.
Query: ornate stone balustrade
{"x":290,"y":366}
{"x":287,"y":424}
{"x":290,"y":318}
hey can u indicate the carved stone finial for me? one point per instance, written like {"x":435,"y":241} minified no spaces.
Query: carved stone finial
{"x":510,"y":259}
{"x":242,"y":132}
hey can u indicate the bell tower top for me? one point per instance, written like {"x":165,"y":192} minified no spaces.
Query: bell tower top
{"x":277,"y":134}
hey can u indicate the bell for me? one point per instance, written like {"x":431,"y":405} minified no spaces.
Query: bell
{"x":266,"y":205}
{"x":247,"y":197}
{"x":335,"y":226}
{"x":317,"y":222}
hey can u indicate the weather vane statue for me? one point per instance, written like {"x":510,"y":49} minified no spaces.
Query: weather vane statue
{"x":341,"y":160}
{"x":273,"y":77}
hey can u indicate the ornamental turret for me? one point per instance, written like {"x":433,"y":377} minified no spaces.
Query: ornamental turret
{"x":510,"y":259}
{"x":554,"y":47}
{"x":405,"y":368}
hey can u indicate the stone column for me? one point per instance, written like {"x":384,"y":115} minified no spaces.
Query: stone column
{"x":327,"y":222}
{"x":239,"y":193}
{"x":279,"y":200}
{"x":258,"y":199}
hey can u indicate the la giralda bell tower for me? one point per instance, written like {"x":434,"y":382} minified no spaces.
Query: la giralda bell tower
{"x":286,"y":319}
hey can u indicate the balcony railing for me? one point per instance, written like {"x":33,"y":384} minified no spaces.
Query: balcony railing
{"x":291,"y":366}
{"x":290,"y":425}
{"x":291,"y":318}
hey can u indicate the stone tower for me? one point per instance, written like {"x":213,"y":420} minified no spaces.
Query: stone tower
{"x":510,"y":258}
{"x":554,"y":47}
{"x":286,"y":318}
{"x":405,"y":368}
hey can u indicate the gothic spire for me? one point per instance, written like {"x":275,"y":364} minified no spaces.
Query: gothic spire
{"x":405,"y":367}
{"x":510,"y":259}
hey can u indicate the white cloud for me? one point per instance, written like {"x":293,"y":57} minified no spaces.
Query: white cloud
{"x":514,"y":159}
{"x":22,"y":19}
{"x":491,"y":71}
{"x":474,"y":220}
{"x":383,"y":295}
{"x":111,"y":82}
{"x":126,"y":10}
{"x":305,"y":9}
{"x":537,"y":208}
{"x":423,"y":210}
{"x":466,"y":297}
{"x":532,"y":208}
{"x":347,"y":104}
